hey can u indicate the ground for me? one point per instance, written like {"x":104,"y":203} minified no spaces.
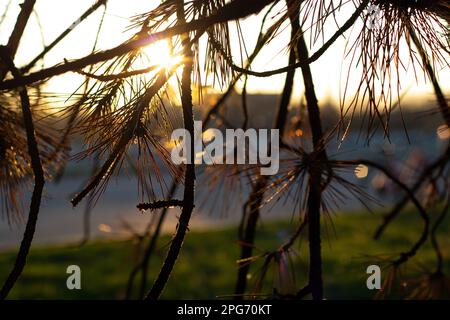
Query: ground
{"x":207,"y":266}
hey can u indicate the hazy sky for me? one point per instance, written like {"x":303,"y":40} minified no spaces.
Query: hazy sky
{"x":55,"y":16}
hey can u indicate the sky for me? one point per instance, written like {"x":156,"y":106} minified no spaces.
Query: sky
{"x":55,"y":16}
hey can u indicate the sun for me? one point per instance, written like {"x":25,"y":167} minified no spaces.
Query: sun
{"x":161,"y":54}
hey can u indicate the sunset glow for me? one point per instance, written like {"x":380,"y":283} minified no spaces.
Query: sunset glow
{"x":160,"y":54}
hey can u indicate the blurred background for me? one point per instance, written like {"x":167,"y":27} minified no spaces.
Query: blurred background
{"x":417,"y":137}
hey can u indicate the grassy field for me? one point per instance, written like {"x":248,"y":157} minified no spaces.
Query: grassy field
{"x":207,"y":266}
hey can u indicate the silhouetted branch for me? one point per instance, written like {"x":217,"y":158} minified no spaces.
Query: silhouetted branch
{"x":303,"y":292}
{"x":423,"y":214}
{"x":247,"y":236}
{"x":247,"y":228}
{"x":17,"y":33}
{"x":145,"y":260}
{"x":127,"y":134}
{"x":285,"y":97}
{"x":117,"y":76}
{"x":314,"y":57}
{"x":2,"y":18}
{"x":71,"y":123}
{"x":433,"y":236}
{"x":315,"y":179}
{"x":273,"y":254}
{"x":58,"y":39}
{"x":442,"y":101}
{"x":233,"y":10}
{"x":160,"y":204}
{"x":294,"y":237}
{"x":281,"y":119}
{"x":244,"y":104}
{"x":189,"y":180}
{"x":39,"y":180}
{"x":262,"y":39}
{"x":388,"y":218}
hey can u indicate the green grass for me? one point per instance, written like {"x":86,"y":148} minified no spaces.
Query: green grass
{"x":206,"y":267}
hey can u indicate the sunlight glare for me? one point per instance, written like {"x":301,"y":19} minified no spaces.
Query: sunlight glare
{"x":161,"y":54}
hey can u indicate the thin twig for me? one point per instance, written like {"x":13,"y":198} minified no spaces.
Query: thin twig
{"x":433,"y":236}
{"x":144,"y":262}
{"x":442,"y":101}
{"x":160,"y":204}
{"x":297,"y":233}
{"x":262,"y":39}
{"x":423,"y":214}
{"x":127,"y":134}
{"x":247,"y":239}
{"x":152,"y":245}
{"x":59,"y":38}
{"x":315,"y":56}
{"x":445,"y":112}
{"x":117,"y":76}
{"x":388,"y":218}
{"x":188,"y":197}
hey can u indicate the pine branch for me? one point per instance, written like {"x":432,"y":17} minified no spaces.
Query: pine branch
{"x":160,"y":204}
{"x":388,"y":218}
{"x":59,"y":38}
{"x":247,"y":239}
{"x":314,"y":57}
{"x":127,"y":134}
{"x":405,"y":256}
{"x":17,"y":33}
{"x":315,"y":178}
{"x":144,"y":262}
{"x":39,"y":181}
{"x":189,"y":186}
{"x":433,"y":236}
{"x":233,"y":10}
{"x":442,"y":101}
{"x":118,"y":76}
